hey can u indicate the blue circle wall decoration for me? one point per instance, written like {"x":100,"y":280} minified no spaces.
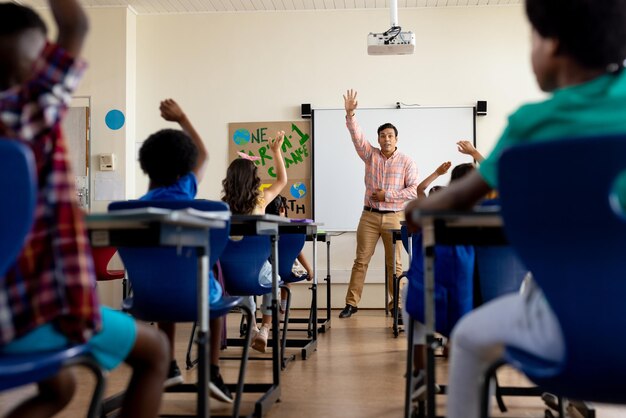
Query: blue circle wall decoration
{"x":114,"y":119}
{"x":298,"y":190}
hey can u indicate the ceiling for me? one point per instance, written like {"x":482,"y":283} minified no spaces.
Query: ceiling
{"x":213,"y":6}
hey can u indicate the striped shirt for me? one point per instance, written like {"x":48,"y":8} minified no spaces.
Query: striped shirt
{"x":53,"y":278}
{"x":397,"y":175}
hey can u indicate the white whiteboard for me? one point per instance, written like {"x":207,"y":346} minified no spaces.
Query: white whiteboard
{"x":427,"y":134}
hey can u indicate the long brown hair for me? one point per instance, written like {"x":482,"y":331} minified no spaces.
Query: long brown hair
{"x":241,"y":186}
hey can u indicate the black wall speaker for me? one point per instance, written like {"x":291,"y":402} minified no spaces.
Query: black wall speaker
{"x":305,"y":110}
{"x":481,"y":108}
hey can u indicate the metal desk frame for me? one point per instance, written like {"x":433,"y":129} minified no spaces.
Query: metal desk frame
{"x":481,"y":227}
{"x":163,"y":227}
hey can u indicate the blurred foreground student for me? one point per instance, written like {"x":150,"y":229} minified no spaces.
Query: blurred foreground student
{"x":578,"y":51}
{"x":48,"y":299}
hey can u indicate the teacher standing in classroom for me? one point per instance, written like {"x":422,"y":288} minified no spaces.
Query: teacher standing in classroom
{"x":390,"y":181}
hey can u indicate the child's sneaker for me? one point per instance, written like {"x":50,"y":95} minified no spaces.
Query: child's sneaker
{"x":219,"y":390}
{"x":259,"y":343}
{"x":419,"y":387}
{"x":174,"y":377}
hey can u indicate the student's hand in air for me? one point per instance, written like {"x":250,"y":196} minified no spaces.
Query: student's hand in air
{"x":466,"y":147}
{"x":171,"y":111}
{"x":277,"y":141}
{"x":350,"y":102}
{"x":443,"y":168}
{"x":378,"y":195}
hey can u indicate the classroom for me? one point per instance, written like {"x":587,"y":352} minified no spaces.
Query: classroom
{"x":240,"y":61}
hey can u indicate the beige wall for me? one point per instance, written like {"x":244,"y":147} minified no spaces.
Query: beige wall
{"x":238,"y":67}
{"x":260,"y":66}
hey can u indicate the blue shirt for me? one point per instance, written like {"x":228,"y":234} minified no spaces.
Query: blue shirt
{"x":185,"y":188}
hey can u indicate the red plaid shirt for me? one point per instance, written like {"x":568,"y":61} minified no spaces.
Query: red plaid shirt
{"x":397,"y":175}
{"x":53,"y":278}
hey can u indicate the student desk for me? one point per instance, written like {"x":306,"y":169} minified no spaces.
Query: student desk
{"x":153,"y":227}
{"x":265,"y":225}
{"x":478,"y":227}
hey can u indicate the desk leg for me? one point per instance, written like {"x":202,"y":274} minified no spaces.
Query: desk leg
{"x":314,"y":296}
{"x":276,"y":354}
{"x":203,"y":333}
{"x":409,"y":370}
{"x":394,"y":285}
{"x":429,"y":315}
{"x":328,"y":290}
{"x":386,"y":291}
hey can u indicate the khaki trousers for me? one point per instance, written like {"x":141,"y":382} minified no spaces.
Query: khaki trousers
{"x":371,"y":226}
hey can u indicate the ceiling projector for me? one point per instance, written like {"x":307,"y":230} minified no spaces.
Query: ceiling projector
{"x":393,"y":41}
{"x":398,"y":43}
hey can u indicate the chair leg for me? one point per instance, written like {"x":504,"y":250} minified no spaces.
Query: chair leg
{"x":310,"y":324}
{"x":244,"y":362}
{"x":487,"y":378}
{"x":499,"y":398}
{"x":188,"y":361}
{"x":124,"y":288}
{"x":95,"y":405}
{"x":396,"y":303}
{"x":283,"y":342}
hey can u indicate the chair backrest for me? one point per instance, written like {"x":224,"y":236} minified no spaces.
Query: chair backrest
{"x":218,"y":237}
{"x":101,"y":258}
{"x":289,"y":246}
{"x":17,"y":175}
{"x":573,"y":239}
{"x":241,"y":263}
{"x":164,"y":279}
{"x":500,"y":271}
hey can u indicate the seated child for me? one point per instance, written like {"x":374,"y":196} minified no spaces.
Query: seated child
{"x":48,"y":296}
{"x":454,"y":274}
{"x":301,"y":266}
{"x":243,"y":194}
{"x":578,"y":51}
{"x":175,"y":162}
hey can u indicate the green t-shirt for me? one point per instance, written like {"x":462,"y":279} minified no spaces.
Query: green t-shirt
{"x":597,"y":107}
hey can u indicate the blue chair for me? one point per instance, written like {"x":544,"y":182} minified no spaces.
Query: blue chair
{"x":572,"y":237}
{"x":164,"y":280}
{"x":289,"y":247}
{"x":17,"y":173}
{"x":241,"y":263}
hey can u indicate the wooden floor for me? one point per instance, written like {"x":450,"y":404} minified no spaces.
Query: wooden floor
{"x":356,"y":372}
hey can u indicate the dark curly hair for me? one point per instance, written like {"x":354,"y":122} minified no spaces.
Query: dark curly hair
{"x":241,"y":186}
{"x":15,"y":19}
{"x":593,"y":32}
{"x":274,"y":207}
{"x":167,"y":155}
{"x":461,"y":170}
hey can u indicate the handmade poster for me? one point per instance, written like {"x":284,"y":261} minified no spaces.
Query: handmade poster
{"x":252,"y":138}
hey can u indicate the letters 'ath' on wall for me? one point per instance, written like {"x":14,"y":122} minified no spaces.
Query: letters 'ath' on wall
{"x":252,"y":138}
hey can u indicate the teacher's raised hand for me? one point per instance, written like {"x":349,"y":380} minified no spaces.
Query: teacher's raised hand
{"x":350,"y":102}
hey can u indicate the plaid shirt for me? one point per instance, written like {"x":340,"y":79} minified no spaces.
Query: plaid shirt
{"x":53,"y":277}
{"x":397,"y":175}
